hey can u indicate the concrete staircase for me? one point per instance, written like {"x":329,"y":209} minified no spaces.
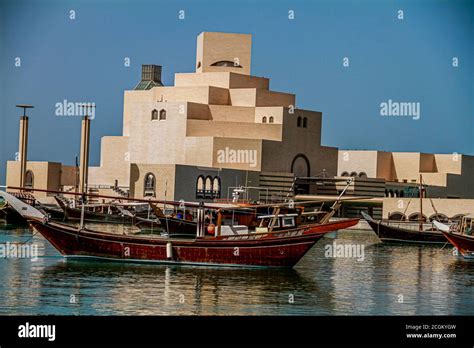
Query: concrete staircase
{"x":121,"y":192}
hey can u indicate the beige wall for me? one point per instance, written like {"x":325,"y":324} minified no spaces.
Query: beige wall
{"x":406,"y":165}
{"x":199,"y":151}
{"x":279,"y":156}
{"x":137,"y":102}
{"x":447,"y":175}
{"x":357,"y":161}
{"x":260,"y":97}
{"x":220,"y":79}
{"x":271,"y":111}
{"x":214,"y":47}
{"x":46,"y":175}
{"x":243,"y":97}
{"x":196,"y":128}
{"x":451,"y":163}
{"x":165,"y":179}
{"x":158,"y":141}
{"x":427,"y":163}
{"x":448,"y":207}
{"x":385,"y":167}
{"x":68,"y":175}
{"x":248,"y":154}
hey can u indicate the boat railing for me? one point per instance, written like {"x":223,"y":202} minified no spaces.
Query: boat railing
{"x":293,"y":232}
{"x":414,"y":225}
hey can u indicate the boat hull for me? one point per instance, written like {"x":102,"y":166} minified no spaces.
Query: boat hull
{"x":281,"y":249}
{"x":11,"y":216}
{"x":464,"y":244}
{"x":392,"y":234}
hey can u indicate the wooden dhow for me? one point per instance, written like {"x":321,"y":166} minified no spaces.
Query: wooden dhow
{"x":264,"y":246}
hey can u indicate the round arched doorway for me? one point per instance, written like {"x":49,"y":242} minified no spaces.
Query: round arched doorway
{"x":300,"y":168}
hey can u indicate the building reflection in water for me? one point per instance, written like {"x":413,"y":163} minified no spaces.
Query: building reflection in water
{"x":430,"y":279}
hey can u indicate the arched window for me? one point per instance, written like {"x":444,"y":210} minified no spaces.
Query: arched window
{"x":344,"y":174}
{"x":439,"y":217}
{"x":162,"y":114}
{"x":390,"y":193}
{"x":386,"y":193}
{"x":362,"y":175}
{"x":29,"y":179}
{"x":354,"y":174}
{"x":264,"y":119}
{"x":397,"y":216}
{"x":416,"y":217}
{"x":402,"y":193}
{"x":154,"y":115}
{"x":270,"y":120}
{"x":298,"y":122}
{"x":216,"y":187}
{"x":227,"y":63}
{"x":305,"y":122}
{"x":208,"y":187}
{"x":200,"y":187}
{"x":457,"y":217}
{"x":149,"y":185}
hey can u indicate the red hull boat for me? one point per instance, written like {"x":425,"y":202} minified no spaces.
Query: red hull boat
{"x":270,"y":245}
{"x":462,"y":242}
{"x":276,"y":249}
{"x":459,"y":235}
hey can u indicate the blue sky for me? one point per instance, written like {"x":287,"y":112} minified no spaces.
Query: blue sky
{"x":82,"y":60}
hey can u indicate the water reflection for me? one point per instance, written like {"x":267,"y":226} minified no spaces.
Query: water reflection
{"x":152,"y":289}
{"x":430,"y":280}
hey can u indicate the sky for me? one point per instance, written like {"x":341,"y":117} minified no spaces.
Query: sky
{"x":425,"y":58}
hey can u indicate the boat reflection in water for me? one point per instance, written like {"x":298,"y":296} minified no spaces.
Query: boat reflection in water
{"x":431,"y":280}
{"x":173,"y":290}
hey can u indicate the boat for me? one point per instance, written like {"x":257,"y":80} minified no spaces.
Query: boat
{"x":239,"y":216}
{"x":460,"y":236}
{"x":259,"y":247}
{"x":390,"y":231}
{"x":110,"y":213}
{"x":9,"y":215}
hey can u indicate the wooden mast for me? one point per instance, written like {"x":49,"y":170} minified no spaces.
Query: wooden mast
{"x":420,"y":217}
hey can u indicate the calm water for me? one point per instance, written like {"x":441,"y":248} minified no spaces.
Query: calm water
{"x":431,"y":280}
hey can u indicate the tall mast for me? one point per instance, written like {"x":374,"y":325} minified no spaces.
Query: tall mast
{"x":420,"y":217}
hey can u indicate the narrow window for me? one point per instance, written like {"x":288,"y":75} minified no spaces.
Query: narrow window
{"x":200,"y":187}
{"x":264,"y":119}
{"x":29,"y":179}
{"x":162,"y":114}
{"x":149,"y":185}
{"x":270,"y":120}
{"x":208,"y":187}
{"x":216,"y":187}
{"x":154,"y":115}
{"x":305,"y":122}
{"x":298,"y":123}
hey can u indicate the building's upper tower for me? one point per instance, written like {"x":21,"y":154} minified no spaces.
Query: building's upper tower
{"x":217,"y":52}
